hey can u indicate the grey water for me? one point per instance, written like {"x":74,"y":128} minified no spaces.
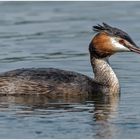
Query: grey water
{"x":57,"y":34}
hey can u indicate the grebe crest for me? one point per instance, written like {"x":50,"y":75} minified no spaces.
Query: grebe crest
{"x":110,"y":40}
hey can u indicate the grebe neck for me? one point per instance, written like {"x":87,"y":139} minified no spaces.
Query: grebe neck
{"x":104,"y":74}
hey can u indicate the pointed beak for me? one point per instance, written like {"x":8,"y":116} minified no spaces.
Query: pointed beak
{"x":134,"y":48}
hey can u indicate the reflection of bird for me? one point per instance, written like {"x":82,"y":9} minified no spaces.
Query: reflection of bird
{"x":105,"y":109}
{"x":55,"y":82}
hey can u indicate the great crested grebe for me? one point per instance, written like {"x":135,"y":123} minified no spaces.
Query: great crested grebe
{"x":55,"y":82}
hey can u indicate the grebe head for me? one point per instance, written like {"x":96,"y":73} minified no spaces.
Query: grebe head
{"x":110,"y":40}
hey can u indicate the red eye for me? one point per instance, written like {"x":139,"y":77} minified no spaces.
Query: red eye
{"x":121,"y":42}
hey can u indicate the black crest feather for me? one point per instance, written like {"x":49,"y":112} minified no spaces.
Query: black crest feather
{"x":112,"y":31}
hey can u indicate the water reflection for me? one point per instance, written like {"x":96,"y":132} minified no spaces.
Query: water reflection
{"x":105,"y":107}
{"x":103,"y":110}
{"x":105,"y":103}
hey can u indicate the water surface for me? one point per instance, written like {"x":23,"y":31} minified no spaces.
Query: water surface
{"x":57,"y":34}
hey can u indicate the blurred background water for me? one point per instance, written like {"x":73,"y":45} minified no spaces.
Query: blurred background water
{"x":57,"y":34}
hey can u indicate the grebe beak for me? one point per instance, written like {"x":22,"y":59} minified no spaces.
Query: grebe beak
{"x":134,"y":48}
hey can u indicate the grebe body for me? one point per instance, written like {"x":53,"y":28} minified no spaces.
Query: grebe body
{"x":50,"y":82}
{"x":55,"y":82}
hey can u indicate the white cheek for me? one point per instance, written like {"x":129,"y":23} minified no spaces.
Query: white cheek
{"x":118,"y":46}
